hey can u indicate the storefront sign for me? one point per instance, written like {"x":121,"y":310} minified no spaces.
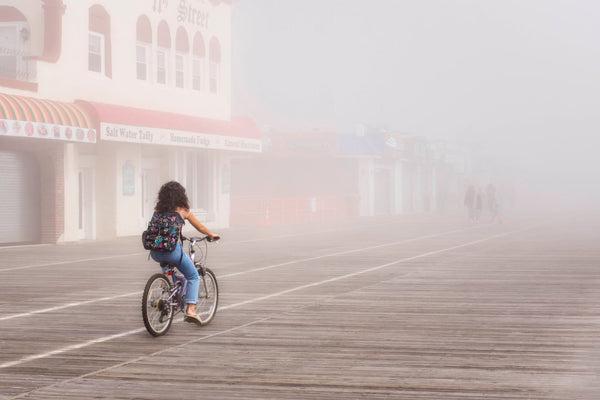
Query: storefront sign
{"x":132,"y":134}
{"x":46,"y":131}
{"x":303,"y":143}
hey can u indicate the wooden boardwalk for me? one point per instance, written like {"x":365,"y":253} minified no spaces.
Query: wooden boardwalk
{"x":403,"y":308}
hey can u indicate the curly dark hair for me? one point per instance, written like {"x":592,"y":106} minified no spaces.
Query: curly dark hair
{"x":170,"y":196}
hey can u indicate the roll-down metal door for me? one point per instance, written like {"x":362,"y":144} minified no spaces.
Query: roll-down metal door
{"x":19,"y":198}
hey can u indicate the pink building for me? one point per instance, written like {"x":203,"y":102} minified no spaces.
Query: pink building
{"x":103,"y":100}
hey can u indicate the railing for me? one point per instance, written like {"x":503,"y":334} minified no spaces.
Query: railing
{"x":258,"y":210}
{"x":15,"y":64}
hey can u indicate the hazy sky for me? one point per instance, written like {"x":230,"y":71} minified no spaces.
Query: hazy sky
{"x":520,"y":76}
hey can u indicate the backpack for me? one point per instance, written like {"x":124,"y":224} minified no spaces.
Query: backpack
{"x":163,"y":233}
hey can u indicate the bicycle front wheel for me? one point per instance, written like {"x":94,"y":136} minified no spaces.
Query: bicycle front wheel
{"x":208,"y":296}
{"x":156,"y":310}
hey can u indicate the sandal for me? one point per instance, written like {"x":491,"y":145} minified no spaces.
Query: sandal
{"x":192,"y":318}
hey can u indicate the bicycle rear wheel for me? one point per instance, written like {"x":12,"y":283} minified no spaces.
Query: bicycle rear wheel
{"x":208,"y":296}
{"x":157,"y":313}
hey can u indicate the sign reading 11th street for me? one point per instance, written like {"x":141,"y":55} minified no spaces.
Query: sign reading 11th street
{"x":187,"y":13}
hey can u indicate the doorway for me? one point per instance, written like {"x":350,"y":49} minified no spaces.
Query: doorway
{"x":86,"y":218}
{"x":20,"y":198}
{"x":150,"y":185}
{"x":383,"y":191}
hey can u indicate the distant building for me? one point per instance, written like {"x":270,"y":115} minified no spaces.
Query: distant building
{"x":298,"y":179}
{"x":403,"y":174}
{"x":101,"y":101}
{"x":309,"y":176}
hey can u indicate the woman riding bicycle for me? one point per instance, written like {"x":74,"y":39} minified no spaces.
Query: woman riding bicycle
{"x":172,"y":198}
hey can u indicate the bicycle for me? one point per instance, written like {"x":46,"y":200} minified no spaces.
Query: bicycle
{"x":164,"y":296}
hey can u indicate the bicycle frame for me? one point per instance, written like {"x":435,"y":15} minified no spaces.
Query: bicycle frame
{"x":199,"y":265}
{"x":175,"y":298}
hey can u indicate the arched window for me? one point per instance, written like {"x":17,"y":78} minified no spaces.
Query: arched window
{"x":13,"y":33}
{"x":99,"y":43}
{"x":143,"y":47}
{"x":215,"y":64}
{"x":198,"y":59}
{"x":11,"y":14}
{"x":182,"y":49}
{"x":163,"y":53}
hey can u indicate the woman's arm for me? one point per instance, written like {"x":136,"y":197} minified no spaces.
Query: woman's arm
{"x":201,"y":228}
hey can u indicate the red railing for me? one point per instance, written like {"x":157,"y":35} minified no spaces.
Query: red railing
{"x":258,"y":211}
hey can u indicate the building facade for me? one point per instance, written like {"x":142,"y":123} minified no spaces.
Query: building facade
{"x":299,"y":178}
{"x":101,"y":101}
{"x":405,"y":174}
{"x":311,"y":176}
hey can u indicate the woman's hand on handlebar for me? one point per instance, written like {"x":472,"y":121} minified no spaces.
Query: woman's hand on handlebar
{"x":213,"y":238}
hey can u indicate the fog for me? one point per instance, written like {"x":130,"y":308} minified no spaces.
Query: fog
{"x":361,"y":108}
{"x":514,"y":81}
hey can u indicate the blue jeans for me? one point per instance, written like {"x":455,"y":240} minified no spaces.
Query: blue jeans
{"x":186,"y":267}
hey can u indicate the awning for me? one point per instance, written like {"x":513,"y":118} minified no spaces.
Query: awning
{"x":135,"y":125}
{"x":45,"y":119}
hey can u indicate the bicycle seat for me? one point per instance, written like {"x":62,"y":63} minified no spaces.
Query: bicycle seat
{"x":169,"y":265}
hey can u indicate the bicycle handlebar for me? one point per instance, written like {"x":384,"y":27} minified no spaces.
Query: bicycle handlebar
{"x":197,"y":239}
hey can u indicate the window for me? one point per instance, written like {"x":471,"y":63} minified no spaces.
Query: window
{"x":179,"y":70}
{"x":215,"y":65}
{"x":182,"y":48}
{"x":163,"y":53}
{"x":14,"y":32}
{"x":96,"y":52}
{"x":9,"y":51}
{"x":143,"y":48}
{"x":196,"y":171}
{"x":214,"y":76}
{"x":197,"y":73}
{"x":199,"y":181}
{"x":198,"y":60}
{"x":142,"y":53}
{"x":99,"y":47}
{"x":161,"y":66}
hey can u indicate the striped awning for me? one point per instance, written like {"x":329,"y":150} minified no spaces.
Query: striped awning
{"x":48,"y":119}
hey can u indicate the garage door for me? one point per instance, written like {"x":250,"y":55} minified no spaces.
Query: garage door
{"x":19,"y":198}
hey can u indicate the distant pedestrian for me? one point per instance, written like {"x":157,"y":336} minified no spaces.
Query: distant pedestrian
{"x":478,"y":204}
{"x":490,"y":193}
{"x":470,"y":202}
{"x":496,"y":216}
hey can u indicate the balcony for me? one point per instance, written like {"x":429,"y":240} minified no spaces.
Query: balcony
{"x":17,"y":69}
